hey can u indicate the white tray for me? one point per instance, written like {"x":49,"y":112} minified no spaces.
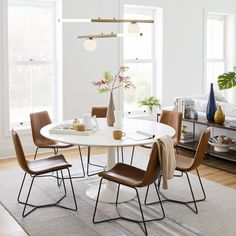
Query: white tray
{"x":67,"y":129}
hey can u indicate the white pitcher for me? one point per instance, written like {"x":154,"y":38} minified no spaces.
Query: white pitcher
{"x":87,"y":121}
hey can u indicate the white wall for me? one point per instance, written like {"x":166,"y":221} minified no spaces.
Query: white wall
{"x":182,"y":54}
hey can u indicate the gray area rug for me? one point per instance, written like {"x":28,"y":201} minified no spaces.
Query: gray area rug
{"x":216,"y":215}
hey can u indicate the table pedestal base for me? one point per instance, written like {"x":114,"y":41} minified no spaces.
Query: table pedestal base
{"x":108,"y":194}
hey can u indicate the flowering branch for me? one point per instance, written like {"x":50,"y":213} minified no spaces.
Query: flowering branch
{"x":110,"y":82}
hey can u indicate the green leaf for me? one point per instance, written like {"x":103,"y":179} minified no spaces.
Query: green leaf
{"x":227,"y":80}
{"x":150,"y":102}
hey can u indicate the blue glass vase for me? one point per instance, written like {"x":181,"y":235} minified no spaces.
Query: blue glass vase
{"x":211,"y":105}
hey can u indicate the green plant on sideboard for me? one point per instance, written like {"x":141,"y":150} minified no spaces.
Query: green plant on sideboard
{"x":150,"y":102}
{"x":227,"y":80}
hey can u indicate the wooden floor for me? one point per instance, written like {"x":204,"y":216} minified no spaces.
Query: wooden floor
{"x":9,"y":227}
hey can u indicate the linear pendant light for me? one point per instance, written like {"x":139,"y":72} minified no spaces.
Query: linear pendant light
{"x":90,"y":44}
{"x":105,"y":20}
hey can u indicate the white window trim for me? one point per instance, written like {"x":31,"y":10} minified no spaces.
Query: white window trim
{"x":57,"y":97}
{"x":225,"y":12}
{"x":157,"y":57}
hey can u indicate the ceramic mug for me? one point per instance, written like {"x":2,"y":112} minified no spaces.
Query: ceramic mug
{"x":80,"y":127}
{"x":118,"y":134}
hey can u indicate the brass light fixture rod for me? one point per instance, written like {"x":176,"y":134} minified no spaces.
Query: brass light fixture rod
{"x":111,"y":35}
{"x":114,"y":20}
{"x":102,"y":20}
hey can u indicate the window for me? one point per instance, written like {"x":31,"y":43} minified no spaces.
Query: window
{"x":32,"y":79}
{"x":218,"y":49}
{"x":139,"y":54}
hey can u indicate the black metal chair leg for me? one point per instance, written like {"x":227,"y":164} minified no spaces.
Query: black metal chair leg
{"x":194,"y":201}
{"x":203,"y":191}
{"x":146,"y":195}
{"x":92,"y":164}
{"x":36,"y":151}
{"x":159,"y":198}
{"x":144,"y":224}
{"x":132,"y":156}
{"x":27,"y":198}
{"x":96,"y":204}
{"x":118,"y":154}
{"x":191,"y":190}
{"x":117,"y":196}
{"x":72,"y":189}
{"x":122,"y":154}
{"x":22,"y":183}
{"x":81,"y":160}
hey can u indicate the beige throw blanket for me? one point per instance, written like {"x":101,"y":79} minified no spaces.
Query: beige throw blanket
{"x":166,"y":158}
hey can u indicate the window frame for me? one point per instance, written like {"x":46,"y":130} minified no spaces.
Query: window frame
{"x":156,"y":59}
{"x":228,"y":48}
{"x":56,"y":80}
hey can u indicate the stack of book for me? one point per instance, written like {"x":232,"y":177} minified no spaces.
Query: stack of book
{"x":186,"y":137}
{"x":183,"y":105}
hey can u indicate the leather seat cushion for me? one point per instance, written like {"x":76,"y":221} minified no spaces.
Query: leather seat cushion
{"x":124,"y":174}
{"x":46,"y":165}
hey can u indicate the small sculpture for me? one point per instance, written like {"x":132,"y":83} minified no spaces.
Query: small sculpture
{"x":219,"y":116}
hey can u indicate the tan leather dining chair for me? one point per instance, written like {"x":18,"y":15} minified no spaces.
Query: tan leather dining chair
{"x":135,"y":178}
{"x":37,"y":168}
{"x":173,"y":119}
{"x":38,"y":120}
{"x":185,"y":165}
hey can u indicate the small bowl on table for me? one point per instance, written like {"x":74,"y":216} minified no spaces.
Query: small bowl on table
{"x":221,"y":143}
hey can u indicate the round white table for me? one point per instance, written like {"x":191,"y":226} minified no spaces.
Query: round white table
{"x":103,"y":138}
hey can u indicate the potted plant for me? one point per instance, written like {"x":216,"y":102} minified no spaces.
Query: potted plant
{"x":150,"y":103}
{"x":227,"y":80}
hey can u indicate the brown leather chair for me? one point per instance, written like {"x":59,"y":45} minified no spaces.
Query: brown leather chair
{"x":99,"y":112}
{"x":185,"y":165}
{"x":39,"y":120}
{"x":40,"y":168}
{"x":173,"y":119}
{"x":133,"y":177}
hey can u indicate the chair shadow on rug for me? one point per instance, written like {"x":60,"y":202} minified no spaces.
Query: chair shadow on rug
{"x":185,"y":165}
{"x":38,"y":168}
{"x":135,"y":178}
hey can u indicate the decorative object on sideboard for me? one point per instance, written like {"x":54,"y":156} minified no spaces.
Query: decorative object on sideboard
{"x":186,"y":106}
{"x":221,"y":143}
{"x":211,"y":105}
{"x":191,"y":114}
{"x":151,"y":103}
{"x":219,"y":116}
{"x":227,"y":80}
{"x":108,"y":84}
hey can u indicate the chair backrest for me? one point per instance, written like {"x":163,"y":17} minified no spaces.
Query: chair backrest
{"x":201,"y":149}
{"x":153,"y":170}
{"x":19,"y":152}
{"x":173,"y":119}
{"x":99,"y":112}
{"x":39,"y":120}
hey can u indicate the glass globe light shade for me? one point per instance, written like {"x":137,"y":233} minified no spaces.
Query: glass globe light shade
{"x":133,"y":28}
{"x":90,"y":44}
